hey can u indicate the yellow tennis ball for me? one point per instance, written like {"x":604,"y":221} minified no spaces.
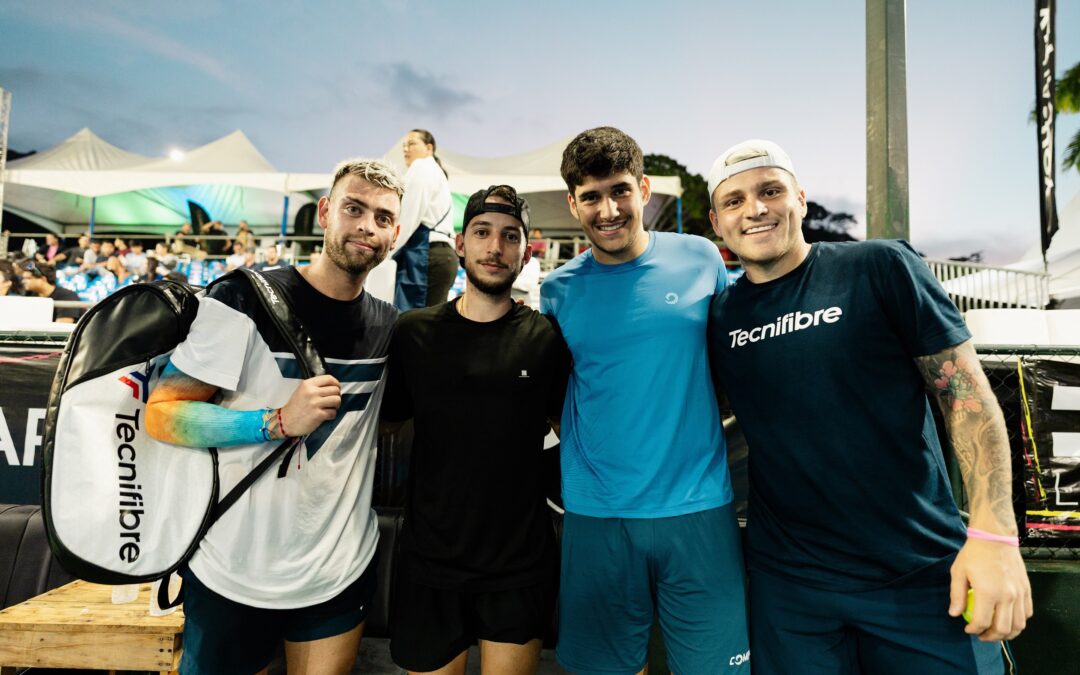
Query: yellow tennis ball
{"x":970,"y":605}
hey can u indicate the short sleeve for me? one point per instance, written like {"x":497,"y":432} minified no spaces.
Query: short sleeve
{"x":919,"y":308}
{"x":547,"y":292}
{"x":216,"y":346}
{"x":721,"y":271}
{"x":560,"y":368}
{"x":397,"y":401}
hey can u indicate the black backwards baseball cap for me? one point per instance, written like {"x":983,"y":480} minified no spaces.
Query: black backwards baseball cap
{"x":478,"y":203}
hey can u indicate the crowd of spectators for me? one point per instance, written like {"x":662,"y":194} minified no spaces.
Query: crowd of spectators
{"x":91,"y":268}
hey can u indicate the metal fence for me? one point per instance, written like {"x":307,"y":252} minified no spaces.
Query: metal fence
{"x":976,"y":286}
{"x":1032,"y":384}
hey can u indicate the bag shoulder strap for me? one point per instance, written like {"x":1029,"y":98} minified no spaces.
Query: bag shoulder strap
{"x":311,"y":364}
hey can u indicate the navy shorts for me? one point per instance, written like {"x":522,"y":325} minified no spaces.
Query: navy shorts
{"x":618,"y":573}
{"x":222,"y":636}
{"x":893,"y":630}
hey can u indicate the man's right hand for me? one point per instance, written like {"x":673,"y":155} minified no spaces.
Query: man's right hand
{"x":315,"y":401}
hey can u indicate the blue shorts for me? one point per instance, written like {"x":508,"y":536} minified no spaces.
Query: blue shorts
{"x":618,"y":573}
{"x":904,"y":629}
{"x":222,"y":636}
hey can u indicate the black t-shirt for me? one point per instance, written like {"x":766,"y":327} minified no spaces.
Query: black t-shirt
{"x":270,"y":267}
{"x":480,"y":395}
{"x":357,"y":328}
{"x":65,"y":295}
{"x":73,"y":255}
{"x":217,"y":246}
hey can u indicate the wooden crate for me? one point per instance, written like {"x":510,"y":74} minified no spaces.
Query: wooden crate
{"x":77,"y":626}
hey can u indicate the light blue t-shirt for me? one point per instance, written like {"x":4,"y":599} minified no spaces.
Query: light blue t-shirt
{"x":641,"y":433}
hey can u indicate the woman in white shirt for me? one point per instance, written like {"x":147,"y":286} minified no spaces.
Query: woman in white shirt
{"x":426,"y":262}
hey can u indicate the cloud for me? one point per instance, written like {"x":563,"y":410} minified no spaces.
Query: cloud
{"x":420,"y":91}
{"x":14,"y":78}
{"x":160,"y":44}
{"x":58,"y":85}
{"x":82,"y":18}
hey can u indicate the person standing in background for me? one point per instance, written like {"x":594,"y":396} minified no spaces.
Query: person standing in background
{"x":426,"y":262}
{"x":244,"y":235}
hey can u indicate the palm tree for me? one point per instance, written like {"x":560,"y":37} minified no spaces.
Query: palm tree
{"x":1067,"y":100}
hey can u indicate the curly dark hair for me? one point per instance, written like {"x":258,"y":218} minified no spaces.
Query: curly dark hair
{"x":599,"y":153}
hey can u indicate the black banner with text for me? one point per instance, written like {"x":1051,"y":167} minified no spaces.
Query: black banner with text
{"x":1044,"y":114}
{"x":25,"y":378}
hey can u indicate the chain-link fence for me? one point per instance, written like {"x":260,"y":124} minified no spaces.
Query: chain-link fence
{"x":1039,"y":391}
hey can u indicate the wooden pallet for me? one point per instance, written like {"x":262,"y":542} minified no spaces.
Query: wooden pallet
{"x":78,"y":626}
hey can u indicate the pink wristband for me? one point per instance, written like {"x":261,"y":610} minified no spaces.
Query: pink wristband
{"x":973,"y":533}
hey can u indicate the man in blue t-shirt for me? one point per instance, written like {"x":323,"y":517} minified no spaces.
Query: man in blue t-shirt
{"x":650,"y":528}
{"x":858,"y":558}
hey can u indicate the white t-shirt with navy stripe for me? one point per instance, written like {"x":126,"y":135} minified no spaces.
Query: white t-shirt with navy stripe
{"x":299,"y":540}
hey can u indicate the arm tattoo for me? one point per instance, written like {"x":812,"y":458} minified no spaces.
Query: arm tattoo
{"x":976,"y":430}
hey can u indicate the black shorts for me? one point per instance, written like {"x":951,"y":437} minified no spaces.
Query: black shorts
{"x":429,"y":627}
{"x":222,"y":636}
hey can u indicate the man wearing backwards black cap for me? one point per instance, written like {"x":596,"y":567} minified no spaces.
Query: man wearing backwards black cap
{"x":480,"y":376}
{"x":858,"y":558}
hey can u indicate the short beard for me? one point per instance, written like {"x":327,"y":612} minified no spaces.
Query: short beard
{"x":335,"y":252}
{"x":493,"y":288}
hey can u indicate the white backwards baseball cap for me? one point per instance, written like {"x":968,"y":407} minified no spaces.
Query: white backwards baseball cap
{"x":752,"y":154}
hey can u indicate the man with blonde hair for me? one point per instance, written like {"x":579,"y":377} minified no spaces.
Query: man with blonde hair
{"x":295,"y":560}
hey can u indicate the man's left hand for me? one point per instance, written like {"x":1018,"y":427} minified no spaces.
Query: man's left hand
{"x":1002,"y":591}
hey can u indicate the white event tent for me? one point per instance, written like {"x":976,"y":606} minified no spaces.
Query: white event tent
{"x":1062,"y":267}
{"x":85,"y":178}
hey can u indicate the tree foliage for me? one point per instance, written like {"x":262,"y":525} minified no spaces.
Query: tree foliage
{"x":1067,"y":100}
{"x":820,"y":223}
{"x":695,"y":198}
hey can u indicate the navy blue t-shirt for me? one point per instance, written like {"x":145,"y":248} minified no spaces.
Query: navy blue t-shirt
{"x":848,"y":489}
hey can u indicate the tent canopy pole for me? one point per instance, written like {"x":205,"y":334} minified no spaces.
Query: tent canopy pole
{"x":284,"y":220}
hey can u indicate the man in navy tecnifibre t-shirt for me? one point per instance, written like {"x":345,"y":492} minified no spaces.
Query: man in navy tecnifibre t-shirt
{"x":859,"y":562}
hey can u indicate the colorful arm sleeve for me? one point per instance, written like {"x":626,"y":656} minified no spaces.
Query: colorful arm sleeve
{"x":178,"y":413}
